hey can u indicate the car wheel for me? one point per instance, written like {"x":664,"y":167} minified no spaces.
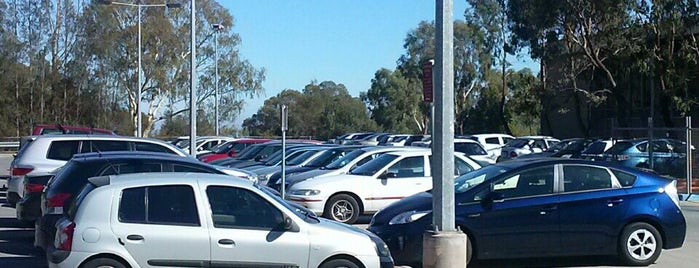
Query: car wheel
{"x":342,"y":208}
{"x":640,"y":244}
{"x":339,"y":263}
{"x":103,"y":263}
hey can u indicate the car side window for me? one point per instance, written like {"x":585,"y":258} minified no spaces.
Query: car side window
{"x":151,"y":147}
{"x":625,"y":179}
{"x":105,"y":146}
{"x":585,"y":178}
{"x":238,"y":208}
{"x":62,"y":150}
{"x":408,"y":167}
{"x":461,"y":167}
{"x":492,"y":141}
{"x":531,"y":182}
{"x":168,"y":205}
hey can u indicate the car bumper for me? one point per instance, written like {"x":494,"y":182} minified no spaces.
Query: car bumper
{"x":45,"y":230}
{"x":404,"y":242}
{"x":315,"y":204}
{"x":29,"y":207}
{"x":65,"y":259}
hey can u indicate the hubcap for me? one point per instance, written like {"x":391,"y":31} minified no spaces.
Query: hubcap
{"x":641,"y":244}
{"x":342,"y":211}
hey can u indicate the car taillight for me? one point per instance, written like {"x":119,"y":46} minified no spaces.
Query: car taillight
{"x":513,"y":154}
{"x":33,"y":188}
{"x":671,"y":191}
{"x":16,"y":171}
{"x":64,"y":239}
{"x":54,"y":204}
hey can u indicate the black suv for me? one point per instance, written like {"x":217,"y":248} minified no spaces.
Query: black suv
{"x":68,"y":181}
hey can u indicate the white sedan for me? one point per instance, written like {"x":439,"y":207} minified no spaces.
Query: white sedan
{"x":372,"y":186}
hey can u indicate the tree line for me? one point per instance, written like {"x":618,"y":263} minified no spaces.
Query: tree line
{"x":74,"y":62}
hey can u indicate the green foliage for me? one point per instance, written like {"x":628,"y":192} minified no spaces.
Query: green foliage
{"x":321,"y":111}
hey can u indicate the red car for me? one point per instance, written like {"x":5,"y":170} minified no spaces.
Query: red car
{"x":229,"y":149}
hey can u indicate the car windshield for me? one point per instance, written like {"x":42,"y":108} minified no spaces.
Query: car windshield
{"x":469,"y":148}
{"x":250,"y":152}
{"x":222,"y":148}
{"x":339,"y":163}
{"x":373,"y":166}
{"x":518,"y":143}
{"x":326,"y":157}
{"x":473,"y":178}
{"x":300,"y":158}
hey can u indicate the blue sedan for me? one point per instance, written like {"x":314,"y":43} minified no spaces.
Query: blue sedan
{"x":544,"y":208}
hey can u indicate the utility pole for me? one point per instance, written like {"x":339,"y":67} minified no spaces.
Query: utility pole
{"x":193,"y":82}
{"x":444,"y":246}
{"x":217,"y":27}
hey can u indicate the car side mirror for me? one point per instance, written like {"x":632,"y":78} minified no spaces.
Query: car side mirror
{"x":387,"y":175}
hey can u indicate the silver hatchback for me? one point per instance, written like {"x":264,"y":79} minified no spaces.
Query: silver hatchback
{"x":217,"y":220}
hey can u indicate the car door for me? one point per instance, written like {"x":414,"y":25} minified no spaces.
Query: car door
{"x":404,"y":177}
{"x":247,"y":231}
{"x":592,"y":205}
{"x":150,"y":220}
{"x":516,"y":215}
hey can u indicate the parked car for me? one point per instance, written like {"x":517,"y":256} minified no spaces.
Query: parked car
{"x":293,"y":167}
{"x":567,"y":148}
{"x":45,"y":153}
{"x":28,"y":209}
{"x":229,"y":149}
{"x":73,"y":175}
{"x":467,"y":146}
{"x":492,"y":142}
{"x":526,"y":145}
{"x":401,"y":140}
{"x":48,"y":129}
{"x":129,"y":221}
{"x":556,"y":207}
{"x":372,"y":186}
{"x":669,"y":156}
{"x":595,"y":150}
{"x":340,"y":166}
{"x":205,"y":143}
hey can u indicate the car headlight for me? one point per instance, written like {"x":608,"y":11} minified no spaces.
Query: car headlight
{"x":305,"y":192}
{"x":408,"y":217}
{"x":381,"y":247}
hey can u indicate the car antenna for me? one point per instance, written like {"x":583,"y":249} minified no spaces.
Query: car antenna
{"x":112,"y":166}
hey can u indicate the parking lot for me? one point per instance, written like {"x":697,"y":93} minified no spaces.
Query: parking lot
{"x":16,"y":250}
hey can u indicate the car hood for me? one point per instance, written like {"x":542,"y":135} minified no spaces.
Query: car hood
{"x":309,"y":174}
{"x":418,"y":202}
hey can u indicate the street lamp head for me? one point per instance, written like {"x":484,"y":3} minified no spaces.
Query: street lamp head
{"x":217,"y":26}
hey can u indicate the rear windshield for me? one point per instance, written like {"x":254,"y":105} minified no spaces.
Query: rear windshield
{"x":519,"y":143}
{"x":79,"y":199}
{"x":619,"y":147}
{"x":595,"y":148}
{"x":71,"y":177}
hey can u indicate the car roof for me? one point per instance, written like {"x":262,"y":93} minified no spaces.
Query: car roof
{"x":158,"y":178}
{"x":114,"y":155}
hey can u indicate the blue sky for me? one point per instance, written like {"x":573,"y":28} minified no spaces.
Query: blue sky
{"x":344,"y":41}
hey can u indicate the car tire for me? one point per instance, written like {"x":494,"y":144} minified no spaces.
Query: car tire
{"x":343,"y":208}
{"x":640,"y":244}
{"x":103,"y":263}
{"x":339,"y":263}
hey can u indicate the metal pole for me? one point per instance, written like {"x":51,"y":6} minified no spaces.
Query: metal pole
{"x":689,"y":156}
{"x":140,"y":79}
{"x":193,"y":83}
{"x":216,"y":79}
{"x":650,"y":143}
{"x":284,"y":116}
{"x":445,"y":246}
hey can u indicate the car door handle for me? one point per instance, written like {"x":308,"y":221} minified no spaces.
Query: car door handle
{"x":226,"y":242}
{"x":611,"y":203}
{"x":546,"y":209}
{"x":134,"y":237}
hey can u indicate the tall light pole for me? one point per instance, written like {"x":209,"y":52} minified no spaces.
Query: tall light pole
{"x":193,"y":82}
{"x":217,"y":27}
{"x":140,"y":6}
